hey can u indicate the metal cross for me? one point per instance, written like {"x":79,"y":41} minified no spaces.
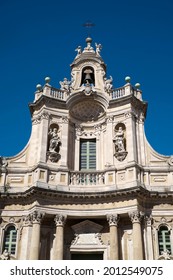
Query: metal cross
{"x":88,"y":25}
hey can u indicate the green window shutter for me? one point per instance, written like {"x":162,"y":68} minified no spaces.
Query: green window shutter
{"x":164,"y":239}
{"x":88,"y":154}
{"x":10,"y":239}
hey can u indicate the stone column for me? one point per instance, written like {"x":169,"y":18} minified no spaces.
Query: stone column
{"x":58,"y":249}
{"x":149,"y":239}
{"x":24,"y":244}
{"x":136,"y":218}
{"x":113,"y":224}
{"x":36,"y":218}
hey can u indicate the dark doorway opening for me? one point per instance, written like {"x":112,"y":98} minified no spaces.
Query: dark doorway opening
{"x":87,"y":256}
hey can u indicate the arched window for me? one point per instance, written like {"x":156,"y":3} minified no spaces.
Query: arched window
{"x":164,"y":239}
{"x":10,"y":239}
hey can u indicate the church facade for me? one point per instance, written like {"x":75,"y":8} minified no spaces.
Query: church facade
{"x":88,"y":185}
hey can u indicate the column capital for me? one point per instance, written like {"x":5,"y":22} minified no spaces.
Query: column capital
{"x":60,"y":220}
{"x":113,"y":219}
{"x":36,"y":217}
{"x":136,"y":216}
{"x":27,"y":220}
{"x":148,"y":220}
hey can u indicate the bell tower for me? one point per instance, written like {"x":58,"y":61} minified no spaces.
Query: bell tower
{"x":88,"y":126}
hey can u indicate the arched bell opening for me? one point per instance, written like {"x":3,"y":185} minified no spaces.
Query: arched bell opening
{"x":88,"y":76}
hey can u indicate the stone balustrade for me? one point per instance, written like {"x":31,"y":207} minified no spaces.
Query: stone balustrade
{"x":87,"y":178}
{"x":57,"y":93}
{"x":116,"y":93}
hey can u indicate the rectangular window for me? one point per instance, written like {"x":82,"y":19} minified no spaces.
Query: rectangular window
{"x":88,"y":154}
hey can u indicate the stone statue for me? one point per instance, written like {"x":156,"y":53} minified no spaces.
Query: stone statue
{"x":53,"y":145}
{"x":65,"y":85}
{"x":119,"y":140}
{"x":78,"y":50}
{"x":54,"y":140}
{"x":98,"y":48}
{"x":5,"y":255}
{"x":108,"y":84}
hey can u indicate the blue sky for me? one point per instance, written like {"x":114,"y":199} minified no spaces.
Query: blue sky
{"x":38,"y":39}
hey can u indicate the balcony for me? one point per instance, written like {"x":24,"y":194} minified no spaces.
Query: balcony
{"x":86,"y":178}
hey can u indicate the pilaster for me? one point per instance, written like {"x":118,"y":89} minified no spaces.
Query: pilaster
{"x":149,"y":239}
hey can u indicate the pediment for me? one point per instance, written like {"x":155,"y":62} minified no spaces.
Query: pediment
{"x":87,"y":226}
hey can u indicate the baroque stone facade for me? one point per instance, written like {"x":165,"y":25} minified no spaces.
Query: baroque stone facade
{"x":87,"y":185}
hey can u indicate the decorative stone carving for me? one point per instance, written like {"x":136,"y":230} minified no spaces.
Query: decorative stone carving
{"x":108,"y":87}
{"x":65,"y":85}
{"x":37,"y":119}
{"x":88,"y":89}
{"x":98,"y":48}
{"x":3,"y":162}
{"x":170,"y":160}
{"x":5,"y":255}
{"x":60,"y":220}
{"x":87,"y":239}
{"x":54,"y":143}
{"x":165,"y":255}
{"x":148,"y":220}
{"x":27,"y":220}
{"x":79,"y":51}
{"x":136,"y":216}
{"x":87,"y":111}
{"x":120,"y":142}
{"x":113,"y":219}
{"x":36,"y":217}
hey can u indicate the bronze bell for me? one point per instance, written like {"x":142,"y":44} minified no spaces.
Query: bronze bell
{"x":88,"y":78}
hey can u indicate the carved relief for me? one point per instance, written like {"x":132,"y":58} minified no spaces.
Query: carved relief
{"x":120,"y":142}
{"x":60,"y":220}
{"x":36,"y":217}
{"x":113,"y":219}
{"x":87,"y":111}
{"x":37,"y":119}
{"x":170,"y":160}
{"x":54,"y":143}
{"x":136,"y":216}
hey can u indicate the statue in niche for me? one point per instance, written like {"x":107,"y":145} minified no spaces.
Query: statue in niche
{"x":108,"y":84}
{"x":120,"y":143}
{"x":54,"y":144}
{"x":119,"y":140}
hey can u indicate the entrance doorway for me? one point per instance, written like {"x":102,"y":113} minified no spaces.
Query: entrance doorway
{"x":87,"y":256}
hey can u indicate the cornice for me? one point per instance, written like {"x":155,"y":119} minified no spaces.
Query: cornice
{"x":129,"y":99}
{"x":48,"y":100}
{"x":87,"y":197}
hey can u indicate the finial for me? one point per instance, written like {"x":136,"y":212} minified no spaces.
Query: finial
{"x":39,"y":87}
{"x":137,"y":85}
{"x":47,"y":80}
{"x":127,"y":79}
